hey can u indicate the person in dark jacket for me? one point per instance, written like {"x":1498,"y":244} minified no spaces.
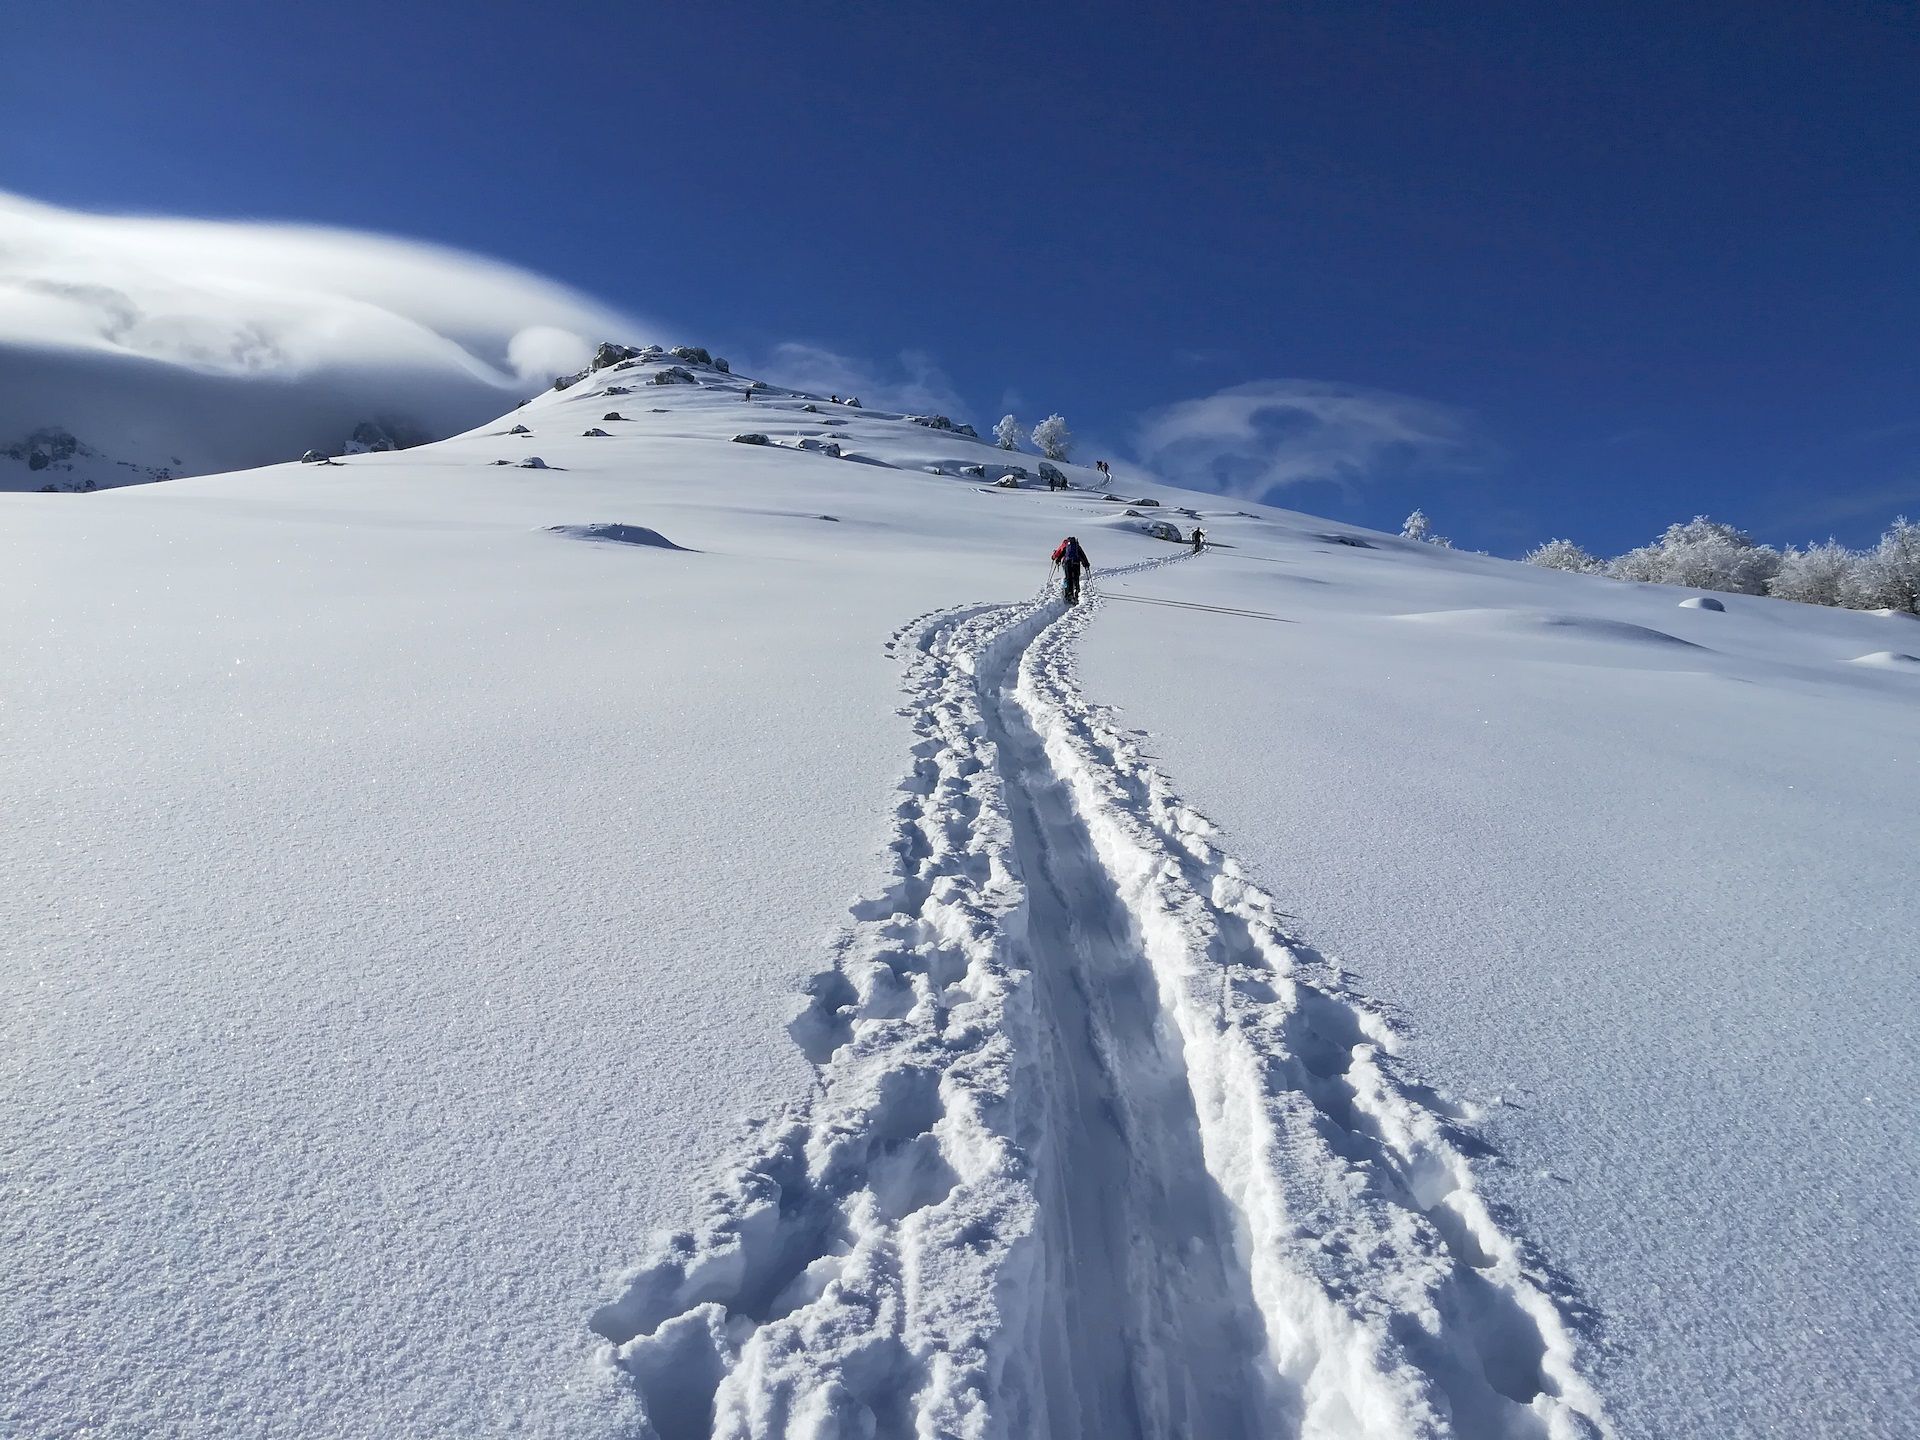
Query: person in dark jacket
{"x":1073,"y":560}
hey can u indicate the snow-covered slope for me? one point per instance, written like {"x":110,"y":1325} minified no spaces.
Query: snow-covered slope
{"x":419,"y":865}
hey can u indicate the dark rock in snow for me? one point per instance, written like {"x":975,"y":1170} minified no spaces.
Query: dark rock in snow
{"x":613,"y":415}
{"x":751,"y":438}
{"x":692,"y":354}
{"x":1143,"y":500}
{"x":1052,"y":473}
{"x":533,"y":462}
{"x":941,"y":422}
{"x":1008,"y":482}
{"x":616,"y":390}
{"x":610,"y":353}
{"x":519,"y":430}
{"x":594,"y":432}
{"x":978,"y":471}
{"x":722,"y":366}
{"x":673,"y":375}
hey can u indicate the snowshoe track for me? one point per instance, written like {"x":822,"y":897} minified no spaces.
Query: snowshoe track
{"x":1095,"y":1150}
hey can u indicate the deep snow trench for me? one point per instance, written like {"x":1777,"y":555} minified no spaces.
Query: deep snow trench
{"x":1095,"y":1149}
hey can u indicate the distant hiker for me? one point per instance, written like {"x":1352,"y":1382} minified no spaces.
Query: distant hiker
{"x":1199,"y":539}
{"x":1104,"y":469}
{"x":1073,"y":560}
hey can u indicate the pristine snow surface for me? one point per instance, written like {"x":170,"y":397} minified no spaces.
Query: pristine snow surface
{"x":419,"y":868}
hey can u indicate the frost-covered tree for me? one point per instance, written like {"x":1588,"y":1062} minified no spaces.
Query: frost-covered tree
{"x":1418,"y":527}
{"x":1565,"y":555}
{"x":1053,"y":437}
{"x":1009,"y":433}
{"x":1887,"y":577}
{"x":1705,"y":554}
{"x":1817,"y":575}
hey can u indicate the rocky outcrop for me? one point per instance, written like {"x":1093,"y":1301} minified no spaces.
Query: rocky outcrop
{"x":374,"y":437}
{"x":941,"y":422}
{"x":63,"y":462}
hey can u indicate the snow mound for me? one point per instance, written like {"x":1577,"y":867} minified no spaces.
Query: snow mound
{"x":616,"y":534}
{"x":1541,"y":622}
{"x":1702,"y":602}
{"x":1888,"y":660}
{"x":1889,"y":614}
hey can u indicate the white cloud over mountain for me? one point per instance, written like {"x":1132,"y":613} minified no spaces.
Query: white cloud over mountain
{"x":220,"y":344}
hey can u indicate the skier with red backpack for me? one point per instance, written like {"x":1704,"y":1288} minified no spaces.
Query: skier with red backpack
{"x":1068,"y":556}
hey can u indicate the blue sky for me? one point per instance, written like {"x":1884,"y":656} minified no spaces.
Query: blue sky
{"x":1541,"y":269}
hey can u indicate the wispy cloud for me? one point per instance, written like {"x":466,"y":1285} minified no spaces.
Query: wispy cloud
{"x":910,"y":382}
{"x":1253,"y":439}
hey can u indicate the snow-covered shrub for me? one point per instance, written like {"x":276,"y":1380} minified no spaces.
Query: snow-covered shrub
{"x":1818,"y":575}
{"x":1053,"y":438}
{"x":1887,"y":577}
{"x":1009,"y":433}
{"x":1705,"y":554}
{"x":1417,"y":527}
{"x":1565,"y":555}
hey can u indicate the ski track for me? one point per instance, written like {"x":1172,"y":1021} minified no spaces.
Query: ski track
{"x":1095,"y":1149}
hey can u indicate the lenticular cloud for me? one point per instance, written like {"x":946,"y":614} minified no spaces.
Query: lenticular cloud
{"x":203,"y":344}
